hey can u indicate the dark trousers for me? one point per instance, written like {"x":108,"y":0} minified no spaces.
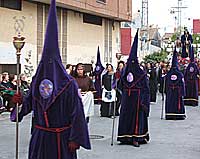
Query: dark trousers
{"x":118,"y":103}
{"x":8,"y":98}
{"x":106,"y":109}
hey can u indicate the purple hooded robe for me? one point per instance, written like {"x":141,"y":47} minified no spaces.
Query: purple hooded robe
{"x":175,"y":91}
{"x":135,"y":103}
{"x":191,"y":82}
{"x":57,"y":108}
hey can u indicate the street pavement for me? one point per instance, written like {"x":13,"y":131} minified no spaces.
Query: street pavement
{"x":169,"y":139}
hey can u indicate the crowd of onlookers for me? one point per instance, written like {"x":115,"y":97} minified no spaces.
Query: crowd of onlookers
{"x":8,"y":87}
{"x":155,"y":71}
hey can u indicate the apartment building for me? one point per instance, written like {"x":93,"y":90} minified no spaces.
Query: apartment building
{"x":83,"y":26}
{"x":196,"y":26}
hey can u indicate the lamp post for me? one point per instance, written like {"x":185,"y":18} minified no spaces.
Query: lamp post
{"x":118,"y":56}
{"x":178,"y":9}
{"x":92,"y":62}
{"x":18,"y":42}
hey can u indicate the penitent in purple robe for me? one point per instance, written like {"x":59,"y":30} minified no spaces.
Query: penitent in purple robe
{"x":135,"y":103}
{"x":191,"y":82}
{"x":53,"y":97}
{"x":175,"y":91}
{"x":98,"y":79}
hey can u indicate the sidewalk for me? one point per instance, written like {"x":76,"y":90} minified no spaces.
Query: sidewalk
{"x":168,"y":139}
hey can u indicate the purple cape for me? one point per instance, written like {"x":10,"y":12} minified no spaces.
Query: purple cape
{"x":57,"y":108}
{"x":175,"y":91}
{"x":97,"y":73}
{"x":133,"y":120}
{"x":191,"y":85}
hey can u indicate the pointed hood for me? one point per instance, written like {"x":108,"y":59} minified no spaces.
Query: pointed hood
{"x":51,"y":48}
{"x":191,"y":53}
{"x":174,"y":59}
{"x":51,"y":77}
{"x":133,"y":53}
{"x":97,"y":73}
{"x":132,"y":71}
{"x":99,"y":67}
{"x":98,"y":57}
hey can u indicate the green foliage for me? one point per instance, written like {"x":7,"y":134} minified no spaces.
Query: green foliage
{"x":196,"y":38}
{"x":156,"y":57}
{"x":174,"y":37}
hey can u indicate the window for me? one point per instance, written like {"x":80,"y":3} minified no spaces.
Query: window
{"x":108,"y":41}
{"x":101,"y":1}
{"x":11,"y":4}
{"x":92,"y":19}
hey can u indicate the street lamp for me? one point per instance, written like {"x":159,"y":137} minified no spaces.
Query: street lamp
{"x":118,"y":56}
{"x":18,"y":42}
{"x":178,"y":9}
{"x":92,"y":62}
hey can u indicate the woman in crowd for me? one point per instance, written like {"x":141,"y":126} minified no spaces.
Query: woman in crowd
{"x":69,"y":69}
{"x":86,"y":87}
{"x":8,"y":82}
{"x":151,"y":73}
{"x":108,"y":94}
{"x":120,"y":68}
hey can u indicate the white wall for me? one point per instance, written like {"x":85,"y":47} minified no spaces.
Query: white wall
{"x":83,"y":40}
{"x":11,"y":19}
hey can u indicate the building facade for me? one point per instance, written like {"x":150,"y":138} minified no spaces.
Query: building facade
{"x":83,"y":26}
{"x":196,"y":26}
{"x":147,"y":43}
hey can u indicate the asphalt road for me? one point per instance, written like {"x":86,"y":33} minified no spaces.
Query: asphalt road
{"x":169,"y":139}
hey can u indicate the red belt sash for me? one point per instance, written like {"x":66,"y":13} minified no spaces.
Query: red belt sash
{"x":138,"y":105}
{"x":53,"y":130}
{"x":57,"y":131}
{"x":133,"y":88}
{"x":179,"y":96}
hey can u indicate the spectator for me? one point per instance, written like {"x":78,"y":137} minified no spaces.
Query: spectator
{"x":108,"y":94}
{"x":85,"y":85}
{"x":69,"y":69}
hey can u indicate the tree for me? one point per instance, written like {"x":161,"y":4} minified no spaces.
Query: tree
{"x":156,"y":57}
{"x":196,"y":38}
{"x":174,"y":36}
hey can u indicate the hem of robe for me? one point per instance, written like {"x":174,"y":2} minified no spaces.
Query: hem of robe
{"x":173,"y":116}
{"x":128,"y":139}
{"x":191,"y":101}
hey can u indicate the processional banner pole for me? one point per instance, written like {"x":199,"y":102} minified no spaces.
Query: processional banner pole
{"x":18,"y":43}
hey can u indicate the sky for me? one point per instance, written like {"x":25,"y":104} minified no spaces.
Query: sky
{"x":159,"y":12}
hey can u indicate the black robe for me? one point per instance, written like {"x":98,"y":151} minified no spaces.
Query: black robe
{"x":108,"y":82}
{"x":186,"y":41}
{"x":175,"y":91}
{"x":135,"y":106}
{"x":152,"y":84}
{"x":191,"y":85}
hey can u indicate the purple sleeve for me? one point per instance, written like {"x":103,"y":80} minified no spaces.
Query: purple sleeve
{"x":24,"y":109}
{"x":79,"y":131}
{"x":114,"y":82}
{"x":145,"y":96}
